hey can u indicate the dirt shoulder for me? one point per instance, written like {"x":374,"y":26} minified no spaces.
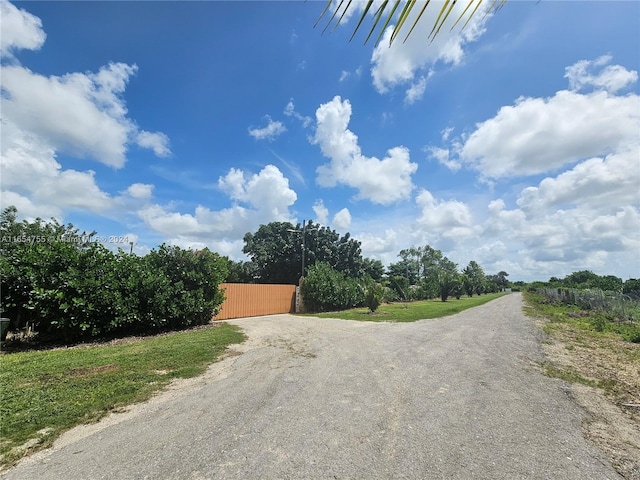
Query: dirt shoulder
{"x":604,"y":372}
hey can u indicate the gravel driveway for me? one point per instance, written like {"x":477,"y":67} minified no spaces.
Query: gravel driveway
{"x":454,"y":398}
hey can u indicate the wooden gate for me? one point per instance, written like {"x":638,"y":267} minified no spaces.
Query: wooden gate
{"x":252,"y":300}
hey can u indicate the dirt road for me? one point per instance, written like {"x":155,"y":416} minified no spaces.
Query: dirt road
{"x":454,"y":398}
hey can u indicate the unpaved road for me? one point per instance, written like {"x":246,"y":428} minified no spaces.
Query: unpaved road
{"x":452,"y":398}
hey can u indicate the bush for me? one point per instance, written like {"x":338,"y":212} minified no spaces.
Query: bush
{"x":374,"y":296}
{"x":324,"y":289}
{"x":70,"y":287}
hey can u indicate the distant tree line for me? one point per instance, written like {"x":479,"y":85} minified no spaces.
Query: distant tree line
{"x":337,"y":276}
{"x":586,"y":279}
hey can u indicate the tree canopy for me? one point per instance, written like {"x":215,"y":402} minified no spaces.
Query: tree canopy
{"x":276,"y":251}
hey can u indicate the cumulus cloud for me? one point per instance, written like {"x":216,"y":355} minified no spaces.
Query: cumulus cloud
{"x":442,"y":155}
{"x":384,"y":181}
{"x":597,"y":184}
{"x":32,"y":176}
{"x":322,"y":212}
{"x":258,"y":198}
{"x":140,"y":190}
{"x":449,"y":218}
{"x":399,"y":63}
{"x":268,"y":191}
{"x":20,"y":30}
{"x":600,"y":75}
{"x":584,"y":218}
{"x":273,"y":130}
{"x":158,"y":142}
{"x":82,"y":115}
{"x":537,"y":135}
{"x":416,"y":91}
{"x":342,"y":219}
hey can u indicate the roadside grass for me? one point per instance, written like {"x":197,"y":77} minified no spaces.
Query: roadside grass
{"x":411,"y":311}
{"x":44,"y":393}
{"x":586,"y":351}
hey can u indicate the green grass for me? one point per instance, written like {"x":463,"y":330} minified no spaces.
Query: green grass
{"x":43,"y":393}
{"x":412,"y":311}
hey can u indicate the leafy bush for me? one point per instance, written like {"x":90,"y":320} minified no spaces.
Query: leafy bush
{"x":325,"y":289}
{"x":64,"y":284}
{"x":374,"y":296}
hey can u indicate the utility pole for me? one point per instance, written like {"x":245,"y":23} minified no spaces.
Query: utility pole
{"x":304,"y":228}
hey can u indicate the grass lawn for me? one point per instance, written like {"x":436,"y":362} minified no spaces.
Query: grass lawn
{"x":43,"y":393}
{"x":412,"y":311}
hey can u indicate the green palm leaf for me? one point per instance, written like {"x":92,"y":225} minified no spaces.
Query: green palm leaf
{"x":443,"y":15}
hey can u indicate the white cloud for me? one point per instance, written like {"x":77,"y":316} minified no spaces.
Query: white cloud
{"x":416,"y":91}
{"x":268,"y":191}
{"x":266,"y":197}
{"x":537,"y":135}
{"x":342,"y":219}
{"x":140,"y":190}
{"x":290,"y":111}
{"x":399,"y":63}
{"x":383,"y":181}
{"x":20,"y":30}
{"x":82,"y":114}
{"x":344,"y":75}
{"x":597,"y":184}
{"x":612,"y":78}
{"x":446,"y":218}
{"x":322,"y":212}
{"x":32,"y":176}
{"x":442,"y":155}
{"x":446,"y":133}
{"x":584,"y":218}
{"x":79,"y":114}
{"x":270,"y":132}
{"x":158,"y":142}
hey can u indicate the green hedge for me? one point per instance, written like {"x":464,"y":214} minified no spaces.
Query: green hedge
{"x":70,"y":287}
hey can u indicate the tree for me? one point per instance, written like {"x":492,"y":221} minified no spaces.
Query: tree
{"x":447,"y":278}
{"x":240,"y":272}
{"x":474,"y":278}
{"x":469,"y":11}
{"x":501,"y":280}
{"x":373,"y":268}
{"x":276,"y":251}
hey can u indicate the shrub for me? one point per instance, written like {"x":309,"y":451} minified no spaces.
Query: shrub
{"x":374,"y":296}
{"x":66,"y":285}
{"x":324,"y":289}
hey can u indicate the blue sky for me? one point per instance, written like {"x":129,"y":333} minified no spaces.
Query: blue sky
{"x":514,"y":143}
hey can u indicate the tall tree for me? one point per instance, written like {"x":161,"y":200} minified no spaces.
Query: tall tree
{"x":373,"y":268}
{"x":276,"y":251}
{"x":474,"y":278}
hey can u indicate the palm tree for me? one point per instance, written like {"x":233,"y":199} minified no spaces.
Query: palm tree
{"x":391,"y":7}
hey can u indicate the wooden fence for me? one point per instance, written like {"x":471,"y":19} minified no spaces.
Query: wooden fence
{"x":252,"y":300}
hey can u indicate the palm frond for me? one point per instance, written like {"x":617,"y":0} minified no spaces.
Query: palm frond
{"x":407,"y":9}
